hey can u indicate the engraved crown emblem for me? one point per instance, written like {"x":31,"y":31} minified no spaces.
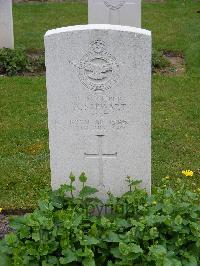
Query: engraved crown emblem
{"x":98,"y":69}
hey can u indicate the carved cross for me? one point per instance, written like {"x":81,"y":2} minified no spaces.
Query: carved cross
{"x":100,"y":156}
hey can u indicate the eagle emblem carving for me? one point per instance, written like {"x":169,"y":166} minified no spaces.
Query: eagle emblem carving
{"x":98,"y":69}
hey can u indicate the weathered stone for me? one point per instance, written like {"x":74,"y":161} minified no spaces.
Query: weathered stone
{"x":6,"y":24}
{"x":99,"y":105}
{"x":117,"y":12}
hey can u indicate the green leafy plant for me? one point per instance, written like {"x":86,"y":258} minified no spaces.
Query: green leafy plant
{"x":13,"y":62}
{"x":38,"y":64}
{"x":159,"y":61}
{"x":137,"y":228}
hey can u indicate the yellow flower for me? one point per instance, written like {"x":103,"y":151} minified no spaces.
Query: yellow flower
{"x":187,"y":172}
{"x":167,"y":177}
{"x":1,"y":210}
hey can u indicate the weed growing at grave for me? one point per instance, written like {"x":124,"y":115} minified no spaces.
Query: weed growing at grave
{"x":159,"y":61}
{"x":161,"y":229}
{"x":17,"y":62}
{"x":38,"y":64}
{"x":13,"y":62}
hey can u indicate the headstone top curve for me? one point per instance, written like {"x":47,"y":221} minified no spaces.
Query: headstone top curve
{"x":98,"y":27}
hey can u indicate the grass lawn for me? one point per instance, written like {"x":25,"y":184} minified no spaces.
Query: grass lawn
{"x":176,"y":100}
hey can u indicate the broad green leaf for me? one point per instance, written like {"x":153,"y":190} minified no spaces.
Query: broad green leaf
{"x":88,"y":262}
{"x":24,"y":232}
{"x":158,"y":251}
{"x":5,"y":260}
{"x":126,"y":249}
{"x":53,"y":260}
{"x":45,"y":263}
{"x":11,"y":239}
{"x":110,"y":263}
{"x":87,"y":191}
{"x":135,"y":248}
{"x":135,"y":182}
{"x":45,"y":206}
{"x":69,"y":256}
{"x":36,"y":236}
{"x":89,"y":240}
{"x":17,"y":223}
{"x":112,"y":237}
{"x":116,"y":252}
{"x":77,"y":221}
{"x":178,"y":220}
{"x":171,"y":262}
{"x":122,"y":223}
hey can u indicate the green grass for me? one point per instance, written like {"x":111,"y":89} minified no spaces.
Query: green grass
{"x":176,"y":110}
{"x":174,"y":25}
{"x":24,"y":141}
{"x":176,"y":124}
{"x":33,"y":20}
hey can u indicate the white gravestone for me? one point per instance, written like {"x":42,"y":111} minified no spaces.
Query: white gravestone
{"x":99,"y":105}
{"x":6,"y":24}
{"x":117,"y":12}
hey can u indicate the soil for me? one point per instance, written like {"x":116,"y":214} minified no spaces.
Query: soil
{"x":33,"y":55}
{"x":4,"y":220}
{"x":177,"y":67}
{"x":177,"y":64}
{"x":4,"y":225}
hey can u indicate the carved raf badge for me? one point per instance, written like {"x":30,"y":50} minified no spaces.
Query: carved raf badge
{"x":98,"y":69}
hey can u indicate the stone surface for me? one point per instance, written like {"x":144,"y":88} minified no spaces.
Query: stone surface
{"x":99,"y":105}
{"x":116,"y":12}
{"x":6,"y":24}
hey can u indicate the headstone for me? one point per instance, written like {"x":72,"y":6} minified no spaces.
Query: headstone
{"x":99,"y":105}
{"x":6,"y":24}
{"x":116,"y":12}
